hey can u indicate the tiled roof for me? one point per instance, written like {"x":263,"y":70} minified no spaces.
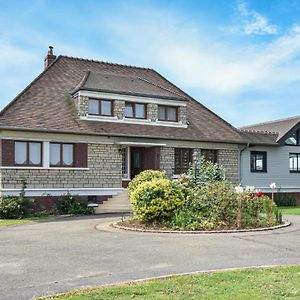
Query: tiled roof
{"x":46,"y":104}
{"x":259,"y":138}
{"x":280,"y":127}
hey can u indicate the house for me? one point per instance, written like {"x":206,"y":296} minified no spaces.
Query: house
{"x":87,"y":127}
{"x":275,"y":159}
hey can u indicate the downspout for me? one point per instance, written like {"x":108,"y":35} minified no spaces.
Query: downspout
{"x":240,"y":160}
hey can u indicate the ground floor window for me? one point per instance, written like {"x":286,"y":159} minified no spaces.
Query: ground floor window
{"x":183,"y":158}
{"x":61,"y":155}
{"x":294,"y":162}
{"x":210,"y":155}
{"x":28,"y":153}
{"x":258,"y":161}
{"x":124,"y":162}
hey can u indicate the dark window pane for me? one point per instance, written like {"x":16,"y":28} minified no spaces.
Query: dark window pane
{"x":258,"y":161}
{"x":106,"y":108}
{"x":93,"y":107}
{"x":172,"y":114}
{"x":161,"y":112}
{"x":183,"y":158}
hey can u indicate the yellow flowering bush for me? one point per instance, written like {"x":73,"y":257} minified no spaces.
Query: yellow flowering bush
{"x":156,"y":199}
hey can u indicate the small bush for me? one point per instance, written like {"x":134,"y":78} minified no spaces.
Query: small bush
{"x":73,"y":205}
{"x":147,"y":175}
{"x":156,"y":199}
{"x":203,"y":171}
{"x":16,"y":207}
{"x":285,"y":199}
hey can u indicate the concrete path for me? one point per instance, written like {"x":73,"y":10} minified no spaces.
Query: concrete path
{"x":46,"y":258}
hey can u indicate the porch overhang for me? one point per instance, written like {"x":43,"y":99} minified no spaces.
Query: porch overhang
{"x":141,"y":144}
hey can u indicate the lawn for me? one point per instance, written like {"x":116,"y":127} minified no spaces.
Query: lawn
{"x":271,"y":283}
{"x":9,"y":222}
{"x":290,"y":210}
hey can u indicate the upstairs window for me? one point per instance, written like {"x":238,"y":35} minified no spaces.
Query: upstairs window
{"x":183,"y":158}
{"x":61,"y":155}
{"x":135,"y":110}
{"x":28,"y":154}
{"x":258,"y":161}
{"x":210,"y":155}
{"x":294,"y":162}
{"x":100,"y":107}
{"x":167,"y":113}
{"x":294,"y":139}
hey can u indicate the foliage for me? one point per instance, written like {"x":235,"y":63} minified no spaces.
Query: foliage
{"x":209,"y":206}
{"x":203,"y":171}
{"x":73,"y":205}
{"x":285,"y":199}
{"x":16,"y":207}
{"x":156,"y":199}
{"x":147,"y":175}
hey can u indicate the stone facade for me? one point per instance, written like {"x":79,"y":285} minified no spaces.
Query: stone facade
{"x":82,"y":104}
{"x":152,"y":112}
{"x":119,"y":109}
{"x":182,"y":114}
{"x":104,"y":163}
{"x":167,"y":155}
{"x":229,"y":160}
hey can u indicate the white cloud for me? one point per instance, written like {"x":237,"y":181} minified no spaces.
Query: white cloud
{"x":253,"y":22}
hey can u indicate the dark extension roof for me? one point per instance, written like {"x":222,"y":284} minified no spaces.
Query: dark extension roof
{"x":281,"y":128}
{"x":46,"y":104}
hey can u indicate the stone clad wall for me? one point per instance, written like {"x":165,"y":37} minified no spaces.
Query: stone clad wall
{"x":104,"y":163}
{"x":167,"y":155}
{"x":152,"y":112}
{"x":229,"y":160}
{"x":182,"y":114}
{"x":119,"y":108}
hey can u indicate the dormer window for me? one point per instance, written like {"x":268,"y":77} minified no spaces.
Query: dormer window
{"x":135,"y":110}
{"x":294,"y":139}
{"x":167,"y":113}
{"x":100,"y":107}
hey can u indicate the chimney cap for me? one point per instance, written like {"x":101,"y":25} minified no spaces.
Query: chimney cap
{"x":50,"y":51}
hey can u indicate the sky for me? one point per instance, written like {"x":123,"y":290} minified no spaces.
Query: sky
{"x":240,"y":58}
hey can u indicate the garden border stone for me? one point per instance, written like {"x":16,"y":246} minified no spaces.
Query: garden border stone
{"x":285,"y":223}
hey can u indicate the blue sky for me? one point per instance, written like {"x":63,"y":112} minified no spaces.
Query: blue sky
{"x":239,"y":58}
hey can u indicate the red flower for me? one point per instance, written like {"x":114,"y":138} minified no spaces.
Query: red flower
{"x":259,"y":194}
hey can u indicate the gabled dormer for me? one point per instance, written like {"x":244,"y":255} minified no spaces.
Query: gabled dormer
{"x":122,"y":98}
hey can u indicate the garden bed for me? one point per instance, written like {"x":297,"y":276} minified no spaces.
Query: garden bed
{"x":136,"y":225}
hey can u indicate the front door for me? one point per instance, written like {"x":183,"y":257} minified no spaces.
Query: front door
{"x":137,"y":161}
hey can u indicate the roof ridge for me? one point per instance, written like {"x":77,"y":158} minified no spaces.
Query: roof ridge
{"x":258,"y":131}
{"x":159,"y":86}
{"x":104,"y":62}
{"x":270,"y":122}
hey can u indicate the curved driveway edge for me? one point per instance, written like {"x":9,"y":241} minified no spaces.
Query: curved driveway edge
{"x":285,"y":224}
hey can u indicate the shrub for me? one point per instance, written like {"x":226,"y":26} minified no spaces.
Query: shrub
{"x":285,"y":199}
{"x":73,"y":205}
{"x":156,"y":199}
{"x":212,"y":205}
{"x":203,"y":171}
{"x":147,"y":175}
{"x":16,"y":207}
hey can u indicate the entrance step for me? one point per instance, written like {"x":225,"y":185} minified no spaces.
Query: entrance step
{"x":116,"y":204}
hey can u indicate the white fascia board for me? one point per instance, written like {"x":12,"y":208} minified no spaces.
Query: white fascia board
{"x":141,"y":144}
{"x":140,"y":99}
{"x":134,"y":121}
{"x":62,"y":191}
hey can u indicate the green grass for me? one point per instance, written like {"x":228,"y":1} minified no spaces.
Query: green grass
{"x":290,"y":210}
{"x":271,"y":283}
{"x":9,"y":222}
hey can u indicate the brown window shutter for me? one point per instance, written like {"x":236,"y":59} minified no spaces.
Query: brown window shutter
{"x":81,"y":155}
{"x":7,"y":151}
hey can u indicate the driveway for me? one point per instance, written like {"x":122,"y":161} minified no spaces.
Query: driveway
{"x":46,"y":258}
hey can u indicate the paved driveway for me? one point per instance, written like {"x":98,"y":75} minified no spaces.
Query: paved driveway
{"x":45,"y":258}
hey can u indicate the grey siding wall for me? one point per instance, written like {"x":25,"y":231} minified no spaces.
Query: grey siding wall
{"x":277,"y":169}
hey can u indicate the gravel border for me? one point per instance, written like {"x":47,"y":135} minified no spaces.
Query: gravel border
{"x":286,"y":223}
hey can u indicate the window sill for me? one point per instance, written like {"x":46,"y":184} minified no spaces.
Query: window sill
{"x":259,"y":171}
{"x":44,"y":168}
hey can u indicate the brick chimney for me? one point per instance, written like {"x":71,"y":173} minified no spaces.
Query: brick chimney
{"x":50,"y":58}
